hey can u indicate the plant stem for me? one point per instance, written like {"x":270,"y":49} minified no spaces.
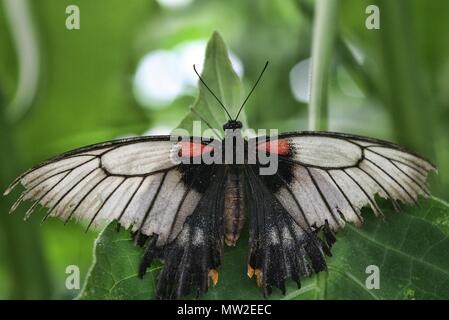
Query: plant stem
{"x":324,"y":26}
{"x":348,"y":59}
{"x":23,"y":35}
{"x":23,"y":257}
{"x":405,"y":86}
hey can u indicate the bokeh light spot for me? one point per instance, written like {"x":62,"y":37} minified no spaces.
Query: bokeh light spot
{"x":157,"y":81}
{"x":300,"y":81}
{"x":164,"y":75}
{"x":173,"y":4}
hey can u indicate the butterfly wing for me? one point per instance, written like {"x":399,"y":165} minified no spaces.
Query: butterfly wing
{"x":322,"y":182}
{"x":192,"y":259}
{"x":142,"y":184}
{"x":335,"y":175}
{"x":135,"y":181}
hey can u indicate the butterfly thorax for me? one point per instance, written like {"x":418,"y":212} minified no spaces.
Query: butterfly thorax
{"x":232,"y":125}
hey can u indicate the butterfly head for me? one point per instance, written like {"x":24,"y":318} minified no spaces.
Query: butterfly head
{"x":232,"y":125}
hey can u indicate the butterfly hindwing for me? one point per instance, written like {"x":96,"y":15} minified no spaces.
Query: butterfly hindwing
{"x":195,"y":255}
{"x":279,"y":248}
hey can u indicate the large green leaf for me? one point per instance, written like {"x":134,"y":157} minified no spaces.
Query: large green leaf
{"x":410,"y":249}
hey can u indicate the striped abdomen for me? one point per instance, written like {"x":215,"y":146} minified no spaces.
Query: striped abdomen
{"x":234,"y":215}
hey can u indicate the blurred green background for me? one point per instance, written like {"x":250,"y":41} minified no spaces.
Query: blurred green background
{"x":127,"y":71}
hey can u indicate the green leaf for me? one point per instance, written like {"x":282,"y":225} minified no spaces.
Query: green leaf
{"x":410,"y":249}
{"x":113,"y":274}
{"x":221,"y":78}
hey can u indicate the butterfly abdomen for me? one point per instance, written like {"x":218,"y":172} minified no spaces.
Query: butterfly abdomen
{"x":234,"y":209}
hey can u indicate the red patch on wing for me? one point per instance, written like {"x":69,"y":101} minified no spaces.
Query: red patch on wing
{"x":279,"y":146}
{"x":192,"y":149}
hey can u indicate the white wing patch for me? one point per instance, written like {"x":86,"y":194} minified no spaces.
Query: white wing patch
{"x":138,"y":158}
{"x":38,"y":176}
{"x":134,"y":183}
{"x":335,"y":176}
{"x":325,"y":152}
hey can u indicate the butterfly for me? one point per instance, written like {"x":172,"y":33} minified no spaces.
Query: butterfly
{"x":184,"y":209}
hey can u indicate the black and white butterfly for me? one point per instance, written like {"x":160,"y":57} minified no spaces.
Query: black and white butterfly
{"x":184,"y":212}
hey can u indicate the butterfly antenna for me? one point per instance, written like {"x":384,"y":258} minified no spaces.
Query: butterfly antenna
{"x":254,"y":87}
{"x":216,"y":132}
{"x":204,"y":83}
